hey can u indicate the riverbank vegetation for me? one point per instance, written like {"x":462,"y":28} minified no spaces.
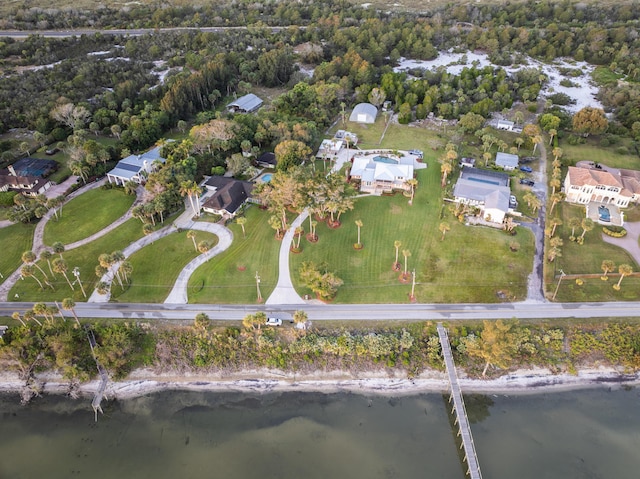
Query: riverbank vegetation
{"x":481,"y":349}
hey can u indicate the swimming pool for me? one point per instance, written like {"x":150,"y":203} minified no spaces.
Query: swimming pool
{"x":266,"y":178}
{"x":385,"y":159}
{"x":484,"y":180}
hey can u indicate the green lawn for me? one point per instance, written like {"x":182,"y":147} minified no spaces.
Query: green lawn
{"x":152,"y":280}
{"x":87,"y":214}
{"x":587,"y":259}
{"x":86,"y":259}
{"x":471,"y":265}
{"x":230,"y":276}
{"x":63,"y":172}
{"x":591,"y":151}
{"x":15,"y":240}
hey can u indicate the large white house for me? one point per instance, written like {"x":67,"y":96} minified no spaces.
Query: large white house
{"x":487,"y":190}
{"x":586,"y":185}
{"x":135,"y":167}
{"x":380,"y":174}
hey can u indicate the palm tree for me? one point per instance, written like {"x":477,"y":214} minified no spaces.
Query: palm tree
{"x":147,"y":229}
{"x":552,"y":134}
{"x":397,"y":245}
{"x":138,"y":212}
{"x":624,"y":270}
{"x":46,"y":255}
{"x":444,"y":227}
{"x":298,"y":234}
{"x":555,"y":199}
{"x":192,"y":235}
{"x":31,"y":316}
{"x":607,"y":267}
{"x":275,"y":223}
{"x":126,"y":268}
{"x":28,"y":271}
{"x":519,"y":142}
{"x":445,"y":169}
{"x":300,"y":317}
{"x":60,"y":266}
{"x":587,"y":225}
{"x":130,"y":187}
{"x":557,"y":154}
{"x":554,"y":250}
{"x":536,"y":139}
{"x":555,"y":222}
{"x":192,"y":190}
{"x":203,"y":247}
{"x":201,"y":321}
{"x":406,"y":253}
{"x":536,"y":203}
{"x":574,"y":223}
{"x":554,"y":183}
{"x":412,"y":182}
{"x":69,"y":304}
{"x":16,"y":315}
{"x":29,"y":257}
{"x":58,"y":248}
{"x":359,"y":225}
{"x":242,"y":220}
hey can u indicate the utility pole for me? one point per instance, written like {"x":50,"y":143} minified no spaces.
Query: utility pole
{"x":258,"y":288}
{"x":558,"y":286}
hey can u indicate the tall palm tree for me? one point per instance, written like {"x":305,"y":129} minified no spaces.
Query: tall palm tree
{"x":147,"y":229}
{"x":624,"y":270}
{"x":242,"y":220}
{"x":555,"y":222}
{"x":192,"y":235}
{"x":555,"y":199}
{"x":552,"y":134}
{"x":203,"y":247}
{"x":58,"y":248}
{"x":69,"y":304}
{"x":29,"y":315}
{"x":46,"y":255}
{"x":445,"y":169}
{"x":554,"y":183}
{"x":126,"y":268}
{"x":444,"y":227}
{"x":16,"y":315}
{"x":412,"y":182}
{"x":607,"y":267}
{"x":406,"y":253}
{"x":29,"y":257}
{"x":300,"y":317}
{"x":28,"y":271}
{"x":359,"y":225}
{"x":396,"y":245}
{"x":557,"y":154}
{"x":574,"y":223}
{"x":60,"y":266}
{"x":587,"y":225}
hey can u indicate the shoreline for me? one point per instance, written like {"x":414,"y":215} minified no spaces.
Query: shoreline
{"x":143,"y":382}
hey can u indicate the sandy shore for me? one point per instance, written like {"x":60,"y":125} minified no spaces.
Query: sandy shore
{"x":142,"y":382}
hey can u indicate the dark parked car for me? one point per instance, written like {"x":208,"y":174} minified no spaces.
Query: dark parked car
{"x":525,"y":181}
{"x":604,"y":214}
{"x":526,"y":169}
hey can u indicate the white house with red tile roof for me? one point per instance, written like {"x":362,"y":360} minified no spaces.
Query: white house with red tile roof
{"x":618,"y":187}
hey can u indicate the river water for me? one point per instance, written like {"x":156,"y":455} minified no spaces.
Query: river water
{"x":579,"y":434}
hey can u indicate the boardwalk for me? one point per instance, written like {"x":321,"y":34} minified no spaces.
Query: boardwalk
{"x":473,"y":467}
{"x":104,"y":377}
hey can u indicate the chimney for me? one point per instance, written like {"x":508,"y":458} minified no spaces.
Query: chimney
{"x":12,"y":171}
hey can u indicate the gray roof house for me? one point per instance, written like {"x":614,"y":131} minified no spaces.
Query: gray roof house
{"x":245,"y":104}
{"x":135,"y":167}
{"x":228,"y":195}
{"x":507,"y":161}
{"x":364,"y":113}
{"x":488,"y":190}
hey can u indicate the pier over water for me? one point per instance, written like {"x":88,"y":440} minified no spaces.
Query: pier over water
{"x":464,"y":430}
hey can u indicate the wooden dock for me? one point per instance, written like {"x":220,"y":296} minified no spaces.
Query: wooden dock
{"x":104,"y":376}
{"x":464,"y":430}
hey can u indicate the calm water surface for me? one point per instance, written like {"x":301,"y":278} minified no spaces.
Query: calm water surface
{"x":581,"y":434}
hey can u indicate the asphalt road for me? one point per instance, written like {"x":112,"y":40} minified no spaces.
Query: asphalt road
{"x":350,"y":312}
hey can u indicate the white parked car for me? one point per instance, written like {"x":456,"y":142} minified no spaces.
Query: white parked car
{"x":274,"y":322}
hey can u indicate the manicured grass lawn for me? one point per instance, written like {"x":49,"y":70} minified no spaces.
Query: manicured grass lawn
{"x":587,"y":259}
{"x":591,"y":151}
{"x":86,"y":259}
{"x":230,"y":276}
{"x":152,"y":280}
{"x":63,"y":172}
{"x":87,"y":214}
{"x":471,"y":265}
{"x":15,"y":240}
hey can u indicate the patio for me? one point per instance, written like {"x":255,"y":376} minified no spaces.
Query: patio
{"x":617,"y":216}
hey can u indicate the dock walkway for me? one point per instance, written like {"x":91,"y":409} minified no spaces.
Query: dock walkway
{"x":464,"y":430}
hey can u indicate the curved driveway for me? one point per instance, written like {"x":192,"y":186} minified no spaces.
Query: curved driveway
{"x":178,"y":294}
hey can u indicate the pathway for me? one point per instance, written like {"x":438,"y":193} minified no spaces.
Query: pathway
{"x":284,"y":292}
{"x":5,"y":223}
{"x":628,"y":242}
{"x":58,"y":190}
{"x":178,"y":294}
